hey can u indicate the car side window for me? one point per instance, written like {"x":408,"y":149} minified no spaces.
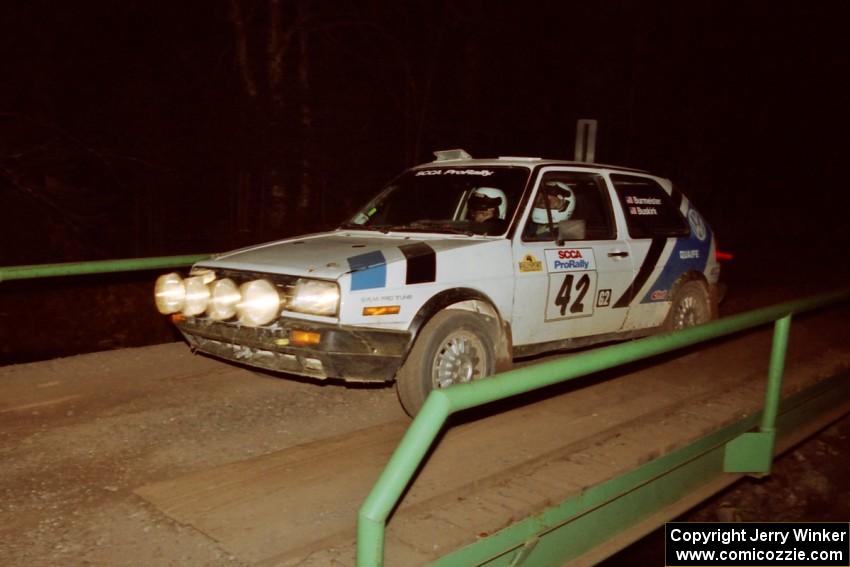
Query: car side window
{"x":575,"y":204}
{"x":649,"y":210}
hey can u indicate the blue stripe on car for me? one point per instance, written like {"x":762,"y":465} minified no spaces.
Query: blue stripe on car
{"x":369,"y":270}
{"x":690,"y":254}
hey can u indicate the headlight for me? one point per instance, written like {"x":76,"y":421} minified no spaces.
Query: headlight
{"x":315,"y":297}
{"x":260,"y":303}
{"x":197,"y":296}
{"x":224,"y":296}
{"x":170,"y":293}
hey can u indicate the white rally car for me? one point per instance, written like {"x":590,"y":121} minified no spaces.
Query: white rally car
{"x":454,"y":269}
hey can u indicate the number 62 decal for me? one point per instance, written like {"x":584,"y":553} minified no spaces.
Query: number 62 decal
{"x":571,"y":295}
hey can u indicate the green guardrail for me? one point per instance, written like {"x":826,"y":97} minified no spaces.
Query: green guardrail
{"x":750,"y":452}
{"x":98,"y":267}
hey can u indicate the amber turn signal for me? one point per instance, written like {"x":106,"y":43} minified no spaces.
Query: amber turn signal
{"x":381,"y":310}
{"x":304,"y":338}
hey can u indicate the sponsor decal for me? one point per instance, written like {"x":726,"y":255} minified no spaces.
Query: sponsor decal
{"x":443,"y":171}
{"x":688,"y":254}
{"x":530,"y":264}
{"x":658,"y":295}
{"x":697,"y":224}
{"x":603,"y":298}
{"x":386,"y":298}
{"x":570,"y":259}
{"x":368,"y":271}
{"x":564,"y":254}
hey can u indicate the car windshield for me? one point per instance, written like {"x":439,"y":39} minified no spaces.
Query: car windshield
{"x":462,"y":200}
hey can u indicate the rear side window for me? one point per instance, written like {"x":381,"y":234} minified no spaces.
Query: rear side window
{"x":649,"y":211}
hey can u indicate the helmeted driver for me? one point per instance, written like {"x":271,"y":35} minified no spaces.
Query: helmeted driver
{"x":555,"y":202}
{"x":488,"y":205}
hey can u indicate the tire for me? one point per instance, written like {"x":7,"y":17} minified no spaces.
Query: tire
{"x":454,"y":346}
{"x":691,"y":306}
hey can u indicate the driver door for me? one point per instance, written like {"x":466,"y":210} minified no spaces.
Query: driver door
{"x":568,"y":289}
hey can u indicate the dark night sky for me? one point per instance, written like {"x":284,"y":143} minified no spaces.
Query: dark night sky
{"x":128,"y":129}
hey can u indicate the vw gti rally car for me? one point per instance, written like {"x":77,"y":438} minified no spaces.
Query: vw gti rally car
{"x":454,"y":269}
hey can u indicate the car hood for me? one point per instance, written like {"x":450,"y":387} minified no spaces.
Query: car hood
{"x":330,"y":255}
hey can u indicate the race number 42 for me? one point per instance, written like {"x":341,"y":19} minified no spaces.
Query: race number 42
{"x":571,"y":295}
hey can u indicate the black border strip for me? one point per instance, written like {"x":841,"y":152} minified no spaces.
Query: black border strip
{"x":677,"y":198}
{"x":649,"y":263}
{"x":421,"y":263}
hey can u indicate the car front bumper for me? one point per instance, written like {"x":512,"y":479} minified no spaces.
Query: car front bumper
{"x":351,"y":353}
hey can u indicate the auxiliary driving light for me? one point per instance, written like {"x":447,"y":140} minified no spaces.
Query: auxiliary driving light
{"x":260,"y":303}
{"x":197,"y":296}
{"x":224,"y":296}
{"x":170,"y":293}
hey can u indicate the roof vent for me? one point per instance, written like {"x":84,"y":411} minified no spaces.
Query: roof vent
{"x":452,"y":155}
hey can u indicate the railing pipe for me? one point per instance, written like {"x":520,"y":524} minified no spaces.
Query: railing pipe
{"x":440,"y":404}
{"x":388,"y":489}
{"x":396,"y":476}
{"x":96,"y":267}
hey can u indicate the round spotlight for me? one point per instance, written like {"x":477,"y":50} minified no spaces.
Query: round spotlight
{"x":170,"y":293}
{"x":260,"y":303}
{"x":224,"y":296}
{"x":197,"y":296}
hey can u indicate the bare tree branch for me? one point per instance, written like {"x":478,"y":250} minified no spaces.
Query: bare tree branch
{"x":305,"y":112}
{"x":242,"y":58}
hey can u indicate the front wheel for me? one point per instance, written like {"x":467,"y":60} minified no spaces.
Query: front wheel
{"x":691,"y":306}
{"x":454,"y":347}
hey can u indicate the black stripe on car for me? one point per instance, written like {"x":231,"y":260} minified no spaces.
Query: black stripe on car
{"x":677,"y":198}
{"x":421,"y":263}
{"x":649,"y":262}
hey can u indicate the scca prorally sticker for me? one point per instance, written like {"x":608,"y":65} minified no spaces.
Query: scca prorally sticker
{"x":570,"y":260}
{"x":443,"y":171}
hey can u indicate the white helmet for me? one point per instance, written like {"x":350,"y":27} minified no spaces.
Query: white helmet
{"x":488,"y":198}
{"x":561,"y":210}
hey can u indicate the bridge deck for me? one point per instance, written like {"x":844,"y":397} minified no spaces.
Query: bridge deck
{"x":298,"y":505}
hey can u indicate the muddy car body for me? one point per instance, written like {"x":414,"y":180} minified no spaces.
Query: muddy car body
{"x":417,"y":288}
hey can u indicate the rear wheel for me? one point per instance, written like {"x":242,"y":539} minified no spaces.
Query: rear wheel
{"x":454,"y":347}
{"x":691,"y":306}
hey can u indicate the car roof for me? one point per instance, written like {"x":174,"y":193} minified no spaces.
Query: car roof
{"x":529,"y":162}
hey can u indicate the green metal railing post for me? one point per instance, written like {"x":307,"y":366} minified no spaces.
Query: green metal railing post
{"x":752,"y":452}
{"x":372,"y":518}
{"x":781,"y":330}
